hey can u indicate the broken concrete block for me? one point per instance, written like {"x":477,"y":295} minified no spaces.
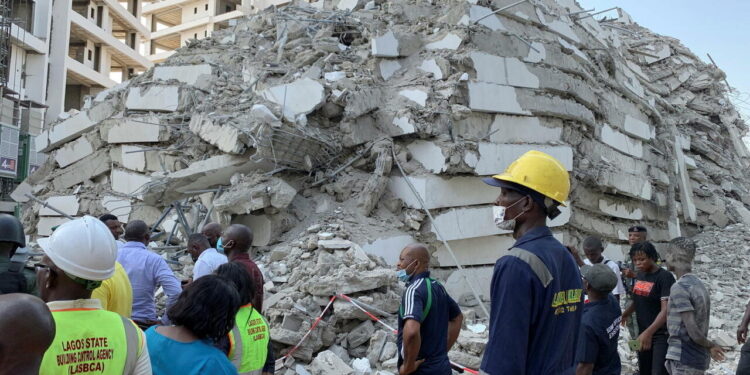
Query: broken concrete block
{"x":625,"y":183}
{"x":68,"y":204}
{"x":128,"y":183}
{"x":154,"y":98}
{"x":73,"y":127}
{"x":208,"y":172}
{"x":226,"y":138}
{"x":449,"y":41}
{"x":494,"y":98}
{"x":349,"y":5}
{"x":326,"y":363}
{"x":117,"y":206}
{"x":297,"y":98}
{"x":457,"y":287}
{"x":132,"y":157}
{"x":46,"y":223}
{"x":267,"y":229}
{"x":432,"y":66}
{"x":429,"y":155}
{"x":620,"y":210}
{"x":416,"y":96}
{"x":361,"y":334}
{"x":185,"y":73}
{"x":137,"y":130}
{"x":389,"y":247}
{"x":348,"y":280}
{"x":536,"y":54}
{"x":503,"y":70}
{"x":74,"y":151}
{"x":621,"y":142}
{"x":403,"y":125}
{"x":335,"y":244}
{"x":395,"y":44}
{"x":640,"y":129}
{"x":85,"y":169}
{"x":255,"y":193}
{"x":494,"y":158}
{"x":388,"y":68}
{"x":508,"y":129}
{"x":437,"y":192}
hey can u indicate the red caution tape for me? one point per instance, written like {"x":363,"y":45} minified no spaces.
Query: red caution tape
{"x":315,"y":324}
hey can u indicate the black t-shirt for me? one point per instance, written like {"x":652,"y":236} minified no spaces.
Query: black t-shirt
{"x":648,"y":292}
{"x":600,"y":330}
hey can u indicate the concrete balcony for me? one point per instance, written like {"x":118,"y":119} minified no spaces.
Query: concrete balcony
{"x":78,"y":73}
{"x":27,"y":40}
{"x":124,"y":17}
{"x":196,"y":23}
{"x":85,"y":29}
{"x":164,"y":6}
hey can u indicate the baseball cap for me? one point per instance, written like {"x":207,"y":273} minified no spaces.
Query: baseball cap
{"x":600,"y":277}
{"x":637,"y":229}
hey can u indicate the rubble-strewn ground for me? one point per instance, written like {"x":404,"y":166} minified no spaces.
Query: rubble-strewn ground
{"x":307,"y":121}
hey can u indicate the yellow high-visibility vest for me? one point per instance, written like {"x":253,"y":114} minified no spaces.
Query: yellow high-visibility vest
{"x":249,"y":341}
{"x":91,"y":340}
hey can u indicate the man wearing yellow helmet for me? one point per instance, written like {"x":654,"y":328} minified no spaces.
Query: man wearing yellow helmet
{"x":536,"y":286}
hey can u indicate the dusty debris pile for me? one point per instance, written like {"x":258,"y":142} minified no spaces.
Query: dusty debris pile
{"x":341,"y":112}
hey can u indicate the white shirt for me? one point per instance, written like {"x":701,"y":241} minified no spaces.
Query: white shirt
{"x":208,"y":262}
{"x":619,"y":289}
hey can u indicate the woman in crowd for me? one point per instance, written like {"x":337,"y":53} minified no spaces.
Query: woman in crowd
{"x":203,"y":314}
{"x":250,"y":345}
{"x":650,"y":299}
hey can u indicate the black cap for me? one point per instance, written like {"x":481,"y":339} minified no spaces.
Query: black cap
{"x":637,"y":229}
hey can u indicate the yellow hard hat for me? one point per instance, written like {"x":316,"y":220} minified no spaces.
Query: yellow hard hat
{"x":539,"y":172}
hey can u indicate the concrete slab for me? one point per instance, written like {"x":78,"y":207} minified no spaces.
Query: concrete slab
{"x":494,"y":98}
{"x":85,"y":169}
{"x":388,"y":68}
{"x":477,"y":251}
{"x":621,"y":142}
{"x":449,"y":41}
{"x":621,"y":210}
{"x":133,"y":158}
{"x":154,"y":98}
{"x":137,"y":130}
{"x":517,"y":129}
{"x":415,"y":95}
{"x":209,"y":172}
{"x":389,"y":247}
{"x":471,"y":222}
{"x":626,"y":184}
{"x":45,"y":224}
{"x":73,"y":127}
{"x":267,"y":229}
{"x":297,"y":98}
{"x":686,"y":190}
{"x":503,"y":70}
{"x":536,"y":54}
{"x":117,"y":206}
{"x":439,"y":192}
{"x":431,"y":66}
{"x":492,"y":22}
{"x":74,"y":151}
{"x":396,"y":44}
{"x":188,"y":74}
{"x":494,"y":158}
{"x":404,"y":126}
{"x":639,"y":129}
{"x":481,"y":278}
{"x":429,"y":155}
{"x":65,"y":203}
{"x":128,"y":183}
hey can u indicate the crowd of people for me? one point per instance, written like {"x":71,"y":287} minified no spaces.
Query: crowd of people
{"x":552,"y":311}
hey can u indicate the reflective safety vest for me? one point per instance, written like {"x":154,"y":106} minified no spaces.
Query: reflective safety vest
{"x":92,"y":341}
{"x":249,"y":341}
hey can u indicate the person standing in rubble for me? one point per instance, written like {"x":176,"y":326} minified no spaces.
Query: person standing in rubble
{"x":14,"y":277}
{"x":79,"y":255}
{"x":428,"y":317}
{"x":115,"y":293}
{"x":600,"y":327}
{"x":146,"y":271}
{"x":237,"y":241}
{"x":536,"y":288}
{"x":250,"y":349}
{"x":593,"y":249}
{"x":650,"y":299}
{"x":690,"y":351}
{"x":212,"y":231}
{"x":206,"y":258}
{"x":636,"y":234}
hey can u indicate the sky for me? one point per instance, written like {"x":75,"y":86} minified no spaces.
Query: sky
{"x":718,"y":27}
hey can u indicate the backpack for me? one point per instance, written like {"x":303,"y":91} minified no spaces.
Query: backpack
{"x":427,"y":306}
{"x":13,"y":280}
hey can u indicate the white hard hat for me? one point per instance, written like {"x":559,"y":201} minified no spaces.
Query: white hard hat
{"x":82,"y":247}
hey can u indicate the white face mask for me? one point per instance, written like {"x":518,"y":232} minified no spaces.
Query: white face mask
{"x":498,"y":215}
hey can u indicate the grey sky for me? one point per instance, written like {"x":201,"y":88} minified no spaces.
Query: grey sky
{"x":720,"y":27}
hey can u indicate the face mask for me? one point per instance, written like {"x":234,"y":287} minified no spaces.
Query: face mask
{"x":402,"y":275}
{"x":219,"y":246}
{"x":498,"y":215}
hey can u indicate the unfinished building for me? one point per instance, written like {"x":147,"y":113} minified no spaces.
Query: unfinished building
{"x":330,"y":128}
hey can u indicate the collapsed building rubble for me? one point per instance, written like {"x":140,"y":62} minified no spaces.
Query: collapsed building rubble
{"x":316,"y":124}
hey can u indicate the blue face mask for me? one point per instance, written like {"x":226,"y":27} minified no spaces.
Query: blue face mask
{"x":219,"y":246}
{"x":402,"y":275}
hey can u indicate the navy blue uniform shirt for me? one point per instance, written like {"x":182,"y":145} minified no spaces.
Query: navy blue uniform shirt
{"x":600,"y":329}
{"x":434,"y":328}
{"x":534,"y":329}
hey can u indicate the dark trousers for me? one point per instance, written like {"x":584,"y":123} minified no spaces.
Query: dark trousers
{"x":651,"y":362}
{"x":743,"y":368}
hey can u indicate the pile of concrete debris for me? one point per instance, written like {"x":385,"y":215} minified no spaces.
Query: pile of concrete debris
{"x":363,"y":114}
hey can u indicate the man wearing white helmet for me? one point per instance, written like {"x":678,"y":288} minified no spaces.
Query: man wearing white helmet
{"x":79,"y":255}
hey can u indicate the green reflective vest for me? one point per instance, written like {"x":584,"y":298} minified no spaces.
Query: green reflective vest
{"x":91,"y":341}
{"x":249,"y":341}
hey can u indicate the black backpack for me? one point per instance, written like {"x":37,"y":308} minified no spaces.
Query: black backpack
{"x":13,"y":280}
